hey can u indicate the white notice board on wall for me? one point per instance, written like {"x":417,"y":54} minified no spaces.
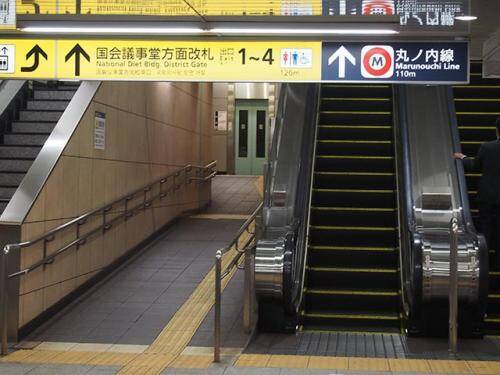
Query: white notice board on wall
{"x":100,"y":131}
{"x":220,"y":120}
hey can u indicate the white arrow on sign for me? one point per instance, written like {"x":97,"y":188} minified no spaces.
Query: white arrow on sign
{"x":342,"y":54}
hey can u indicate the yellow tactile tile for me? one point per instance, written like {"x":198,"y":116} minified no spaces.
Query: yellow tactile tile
{"x":41,"y":356}
{"x":72,"y":358}
{"x":288,"y":361}
{"x":192,"y":361}
{"x":449,"y":367}
{"x":328,"y":363}
{"x":112,"y":359}
{"x":152,"y":360}
{"x":368,"y":364}
{"x":17,"y":356}
{"x":484,"y":367}
{"x":409,"y":365}
{"x":142,"y":370}
{"x":253,"y":360}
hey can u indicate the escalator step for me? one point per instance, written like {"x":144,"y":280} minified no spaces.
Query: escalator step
{"x":342,"y":257}
{"x":477,"y":118}
{"x":329,"y":300}
{"x":348,"y":320}
{"x":360,"y":132}
{"x":476,"y":133}
{"x":352,"y":278}
{"x":478,"y":105}
{"x":354,"y":163}
{"x":352,"y":216}
{"x":352,"y":104}
{"x":476,"y":91}
{"x":352,"y":180}
{"x":360,"y":147}
{"x":355,"y":91}
{"x":354,"y":198}
{"x":355,"y":117}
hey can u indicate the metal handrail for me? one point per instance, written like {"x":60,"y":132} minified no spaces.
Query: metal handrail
{"x":220,"y":275}
{"x":200,"y":175}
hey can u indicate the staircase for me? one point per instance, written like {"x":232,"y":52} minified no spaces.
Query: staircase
{"x":477,"y":106}
{"x":352,"y":267}
{"x":25,"y":136}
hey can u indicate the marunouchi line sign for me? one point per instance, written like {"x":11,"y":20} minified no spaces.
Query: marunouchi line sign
{"x":235,"y":61}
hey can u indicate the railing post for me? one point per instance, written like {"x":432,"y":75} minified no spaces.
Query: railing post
{"x":248,"y":292}
{"x":217,"y":305}
{"x":453,"y":292}
{"x":4,"y":300}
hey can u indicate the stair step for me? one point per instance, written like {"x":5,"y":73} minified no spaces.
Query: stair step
{"x":25,"y":139}
{"x":41,"y":105}
{"x":54,"y":94}
{"x":40,"y":115}
{"x":33,"y":127}
{"x":7,"y":192}
{"x":11,"y":178}
{"x":15,"y":165}
{"x":30,"y":152}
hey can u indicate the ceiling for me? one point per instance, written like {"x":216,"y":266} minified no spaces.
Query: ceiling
{"x":488,"y":13}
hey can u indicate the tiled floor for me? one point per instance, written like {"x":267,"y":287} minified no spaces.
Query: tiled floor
{"x":234,"y":195}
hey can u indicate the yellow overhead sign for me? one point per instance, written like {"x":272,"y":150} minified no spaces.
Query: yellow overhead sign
{"x":238,"y":61}
{"x":171,"y":7}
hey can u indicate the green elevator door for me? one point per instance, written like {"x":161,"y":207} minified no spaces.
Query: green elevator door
{"x":251,"y":136}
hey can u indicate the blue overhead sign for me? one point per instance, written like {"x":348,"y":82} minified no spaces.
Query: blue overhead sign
{"x":402,"y":62}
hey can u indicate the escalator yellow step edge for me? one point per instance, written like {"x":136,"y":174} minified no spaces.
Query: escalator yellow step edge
{"x":479,"y":113}
{"x":356,"y":270}
{"x":476,"y":87}
{"x":473,"y":174}
{"x":476,"y":100}
{"x":351,"y":292}
{"x":338,"y":330}
{"x":356,"y":126}
{"x":494,"y":296}
{"x":353,"y":141}
{"x":368,"y":209}
{"x":351,"y":316}
{"x":472,"y":127}
{"x":356,"y":112}
{"x":354,"y":191}
{"x":355,"y":157}
{"x":472,"y":192}
{"x":488,"y":320}
{"x":494,"y":273}
{"x":353,"y":248}
{"x":359,"y":99}
{"x":356,"y":86}
{"x":472,"y":142}
{"x":371,"y":229}
{"x":355,"y":173}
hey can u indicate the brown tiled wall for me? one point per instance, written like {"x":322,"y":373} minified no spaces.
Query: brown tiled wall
{"x":151,"y":129}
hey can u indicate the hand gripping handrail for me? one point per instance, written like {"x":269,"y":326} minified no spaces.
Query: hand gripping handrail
{"x":187,"y":174}
{"x":220,"y":274}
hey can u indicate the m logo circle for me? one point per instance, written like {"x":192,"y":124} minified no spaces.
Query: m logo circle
{"x":377,"y":62}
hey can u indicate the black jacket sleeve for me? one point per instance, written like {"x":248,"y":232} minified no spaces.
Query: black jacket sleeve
{"x":476,"y":164}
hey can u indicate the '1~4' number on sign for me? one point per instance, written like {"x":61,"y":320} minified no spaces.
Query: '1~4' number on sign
{"x":268,"y":56}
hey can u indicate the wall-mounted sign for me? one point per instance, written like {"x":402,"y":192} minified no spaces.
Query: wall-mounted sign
{"x":7,"y":14}
{"x":234,"y":61}
{"x":433,"y":62}
{"x":100,"y":131}
{"x":171,"y":7}
{"x":220,"y":120}
{"x":413,"y":13}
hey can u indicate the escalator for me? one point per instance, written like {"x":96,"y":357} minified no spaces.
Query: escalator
{"x":352,"y":267}
{"x":477,"y":107}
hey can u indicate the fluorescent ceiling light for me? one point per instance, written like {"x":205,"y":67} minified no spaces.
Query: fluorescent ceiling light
{"x":466,"y":18}
{"x":195,"y":30}
{"x":113,"y":30}
{"x":273,"y":31}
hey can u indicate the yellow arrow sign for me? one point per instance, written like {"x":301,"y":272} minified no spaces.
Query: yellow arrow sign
{"x":280,"y":61}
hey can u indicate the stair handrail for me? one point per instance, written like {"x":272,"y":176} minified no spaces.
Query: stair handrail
{"x":201,"y":174}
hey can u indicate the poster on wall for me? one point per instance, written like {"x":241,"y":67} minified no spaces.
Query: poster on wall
{"x":100,"y":131}
{"x":220,"y":120}
{"x":412,"y":13}
{"x":7,"y":14}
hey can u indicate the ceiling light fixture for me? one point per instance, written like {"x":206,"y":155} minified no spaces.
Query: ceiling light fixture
{"x":466,"y":18}
{"x":282,"y":31}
